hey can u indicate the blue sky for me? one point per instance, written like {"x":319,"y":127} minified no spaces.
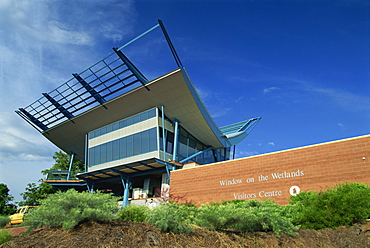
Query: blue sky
{"x":303,"y":66}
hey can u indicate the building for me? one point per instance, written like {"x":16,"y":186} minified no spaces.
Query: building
{"x":130,"y":132}
{"x":277,"y":175}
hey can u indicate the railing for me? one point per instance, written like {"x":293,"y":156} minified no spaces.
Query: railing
{"x":62,"y":175}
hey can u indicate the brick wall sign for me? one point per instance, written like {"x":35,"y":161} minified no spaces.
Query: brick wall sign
{"x":276,"y":175}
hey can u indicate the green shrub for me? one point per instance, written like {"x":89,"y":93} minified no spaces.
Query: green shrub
{"x":341,"y":206}
{"x":5,"y":236}
{"x":172,"y":217}
{"x":71,"y":208}
{"x":135,"y":213}
{"x":4,"y":220}
{"x":249,"y":215}
{"x":218,"y":216}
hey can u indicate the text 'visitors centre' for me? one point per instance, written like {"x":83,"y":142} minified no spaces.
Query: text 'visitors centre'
{"x":130,"y":132}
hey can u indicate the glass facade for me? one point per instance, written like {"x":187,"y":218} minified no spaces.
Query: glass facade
{"x":135,"y":144}
{"x":189,"y":145}
{"x":144,"y":141}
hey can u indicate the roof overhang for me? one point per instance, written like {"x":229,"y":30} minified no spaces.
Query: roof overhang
{"x":172,"y":90}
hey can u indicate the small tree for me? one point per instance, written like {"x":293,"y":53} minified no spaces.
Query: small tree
{"x":34,"y":193}
{"x":62,"y":161}
{"x":6,"y":208}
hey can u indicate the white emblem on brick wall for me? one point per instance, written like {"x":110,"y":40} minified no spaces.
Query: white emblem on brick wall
{"x":294,"y":190}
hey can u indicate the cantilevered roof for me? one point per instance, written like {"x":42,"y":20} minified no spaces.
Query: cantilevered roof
{"x":171,"y":90}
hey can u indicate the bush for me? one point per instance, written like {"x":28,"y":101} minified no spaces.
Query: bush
{"x":341,"y":206}
{"x":3,"y":221}
{"x":5,"y":236}
{"x":69,"y":209}
{"x":173,"y":217}
{"x":249,"y":215}
{"x":134,"y":213}
{"x":217,"y":216}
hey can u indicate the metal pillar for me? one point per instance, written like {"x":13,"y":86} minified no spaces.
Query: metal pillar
{"x":176,"y":140}
{"x":126,"y":185}
{"x":70,"y":165}
{"x":169,"y":42}
{"x":86,"y":151}
{"x":164,"y":139}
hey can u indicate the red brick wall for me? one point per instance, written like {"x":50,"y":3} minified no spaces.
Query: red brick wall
{"x":315,"y":167}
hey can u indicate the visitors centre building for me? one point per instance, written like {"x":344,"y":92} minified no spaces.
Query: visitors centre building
{"x":131,"y":133}
{"x":140,"y":138}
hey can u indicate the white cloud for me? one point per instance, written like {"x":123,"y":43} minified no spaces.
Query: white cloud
{"x":346,"y":100}
{"x":267,"y":90}
{"x":18,"y":141}
{"x":41,"y":44}
{"x":271,"y":143}
{"x":61,"y":34}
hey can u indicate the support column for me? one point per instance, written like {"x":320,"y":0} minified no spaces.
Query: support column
{"x":176,"y":140}
{"x":126,"y":186}
{"x":86,"y":151}
{"x":164,"y":138}
{"x":70,"y":165}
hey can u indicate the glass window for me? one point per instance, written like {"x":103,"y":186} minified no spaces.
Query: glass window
{"x":103,"y":130}
{"x":122,"y":124}
{"x":144,"y":116}
{"x":103,"y":153}
{"x":153,"y":139}
{"x":122,"y":148}
{"x":109,"y":151}
{"x":97,"y":155}
{"x":145,"y":141}
{"x":115,"y":149}
{"x":129,"y":121}
{"x":169,"y":142}
{"x":137,"y":143}
{"x":151,"y":113}
{"x":109,"y":128}
{"x":115,"y":126}
{"x":136,"y":118}
{"x":130,"y":147}
{"x":91,"y":157}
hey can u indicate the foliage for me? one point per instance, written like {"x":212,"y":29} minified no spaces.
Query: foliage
{"x":173,"y":217}
{"x":62,"y":163}
{"x":3,"y":221}
{"x":6,"y":208}
{"x":249,"y":215}
{"x":5,"y":236}
{"x":71,"y":208}
{"x":134,"y":213}
{"x":341,"y":206}
{"x":34,"y":193}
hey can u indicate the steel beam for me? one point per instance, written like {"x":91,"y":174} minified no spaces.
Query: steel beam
{"x":132,"y":67}
{"x":90,"y":89}
{"x":64,"y":111}
{"x":32,"y":119}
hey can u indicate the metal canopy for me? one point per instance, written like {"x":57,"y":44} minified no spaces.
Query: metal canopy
{"x":170,"y":90}
{"x":246,"y":126}
{"x":130,"y":170}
